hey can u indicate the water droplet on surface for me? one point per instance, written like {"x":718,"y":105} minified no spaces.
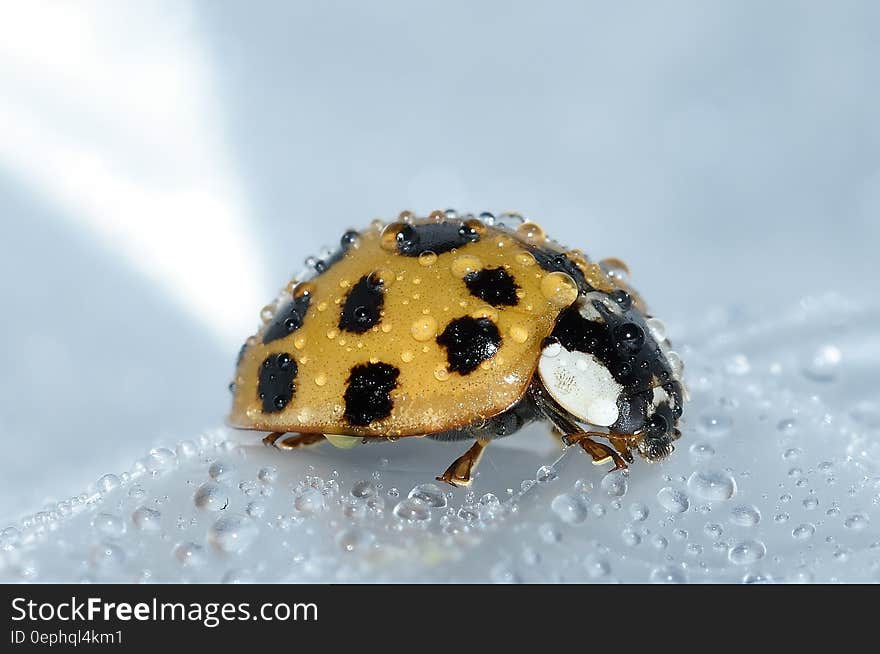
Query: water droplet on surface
{"x":672,"y":500}
{"x":363,"y":489}
{"x":712,"y":485}
{"x":106,"y":555}
{"x":189,"y":555}
{"x":220,"y":470}
{"x":430,"y":494}
{"x":714,"y":425}
{"x":596,"y":567}
{"x":211,"y":496}
{"x":146,"y":519}
{"x":737,"y":365}
{"x":639,"y":512}
{"x":108,"y":525}
{"x":107,"y":483}
{"x":803,"y":531}
{"x":232,"y":534}
{"x":668,"y":574}
{"x":713,"y":530}
{"x":747,"y":551}
{"x":569,"y":508}
{"x":745,"y":516}
{"x":309,"y":500}
{"x":857,"y":521}
{"x":824,"y":364}
{"x":412,"y":510}
{"x":502,"y":573}
{"x":614,"y":483}
{"x":354,"y":539}
{"x":268,"y":475}
{"x":546,"y":474}
{"x":549,"y":533}
{"x":702,"y":451}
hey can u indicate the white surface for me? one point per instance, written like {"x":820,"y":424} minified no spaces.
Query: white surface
{"x":729,"y":152}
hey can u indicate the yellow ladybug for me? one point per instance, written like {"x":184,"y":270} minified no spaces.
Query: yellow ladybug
{"x":461,"y":328}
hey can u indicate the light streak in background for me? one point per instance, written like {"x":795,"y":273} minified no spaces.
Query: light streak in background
{"x":107,"y":111}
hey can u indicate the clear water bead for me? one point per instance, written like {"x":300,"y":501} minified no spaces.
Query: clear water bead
{"x":672,"y":500}
{"x":431,"y":494}
{"x":569,"y":508}
{"x":712,"y":485}
{"x":232,"y":534}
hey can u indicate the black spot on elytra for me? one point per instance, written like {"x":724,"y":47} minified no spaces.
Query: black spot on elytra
{"x":276,"y":387}
{"x":493,"y":285}
{"x":553,"y":261}
{"x":468,"y":342}
{"x":437,"y":237}
{"x":368,"y":395}
{"x":288,"y":319}
{"x":624,"y":345}
{"x":362,"y":306}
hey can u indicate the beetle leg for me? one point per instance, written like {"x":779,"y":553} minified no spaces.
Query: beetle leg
{"x":620,"y":444}
{"x":460,"y":473}
{"x":291,"y":442}
{"x":599,"y":451}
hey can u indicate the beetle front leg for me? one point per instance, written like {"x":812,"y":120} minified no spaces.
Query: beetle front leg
{"x":598,"y":451}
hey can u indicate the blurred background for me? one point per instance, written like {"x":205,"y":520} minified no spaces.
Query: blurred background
{"x":166,"y":166}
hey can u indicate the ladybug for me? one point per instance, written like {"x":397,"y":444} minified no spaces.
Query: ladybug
{"x":461,"y":329}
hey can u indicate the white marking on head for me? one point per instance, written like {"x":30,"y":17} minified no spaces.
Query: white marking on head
{"x":580,"y":384}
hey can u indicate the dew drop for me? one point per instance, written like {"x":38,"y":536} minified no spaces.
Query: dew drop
{"x":569,"y":508}
{"x":745,"y":516}
{"x":354,"y":539}
{"x":857,"y":521}
{"x":412,"y":510}
{"x":428,"y":258}
{"x":109,"y":525}
{"x":672,"y":500}
{"x":639,"y":512}
{"x":714,"y":425}
{"x":702,"y":451}
{"x":546,"y":474}
{"x":559,"y":288}
{"x":146,"y":519}
{"x":668,"y":574}
{"x":211,"y":496}
{"x":615,"y":484}
{"x":220,"y":470}
{"x":189,"y":555}
{"x":747,"y":551}
{"x":824,"y":363}
{"x":363,"y":489}
{"x":464,"y":264}
{"x":232,"y":534}
{"x":309,"y":500}
{"x":712,"y":485}
{"x":107,"y":483}
{"x":423,"y":328}
{"x":430,"y":494}
{"x":803,"y":531}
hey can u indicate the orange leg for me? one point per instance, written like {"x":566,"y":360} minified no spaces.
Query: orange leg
{"x":291,"y":442}
{"x":599,"y":451}
{"x":460,"y":473}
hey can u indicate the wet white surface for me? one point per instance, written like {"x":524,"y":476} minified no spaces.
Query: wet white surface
{"x":775,"y":479}
{"x":165,"y":168}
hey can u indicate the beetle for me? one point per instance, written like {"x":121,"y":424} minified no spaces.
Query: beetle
{"x":461,"y":328}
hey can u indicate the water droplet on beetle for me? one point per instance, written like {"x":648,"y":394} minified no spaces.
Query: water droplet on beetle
{"x":559,"y":288}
